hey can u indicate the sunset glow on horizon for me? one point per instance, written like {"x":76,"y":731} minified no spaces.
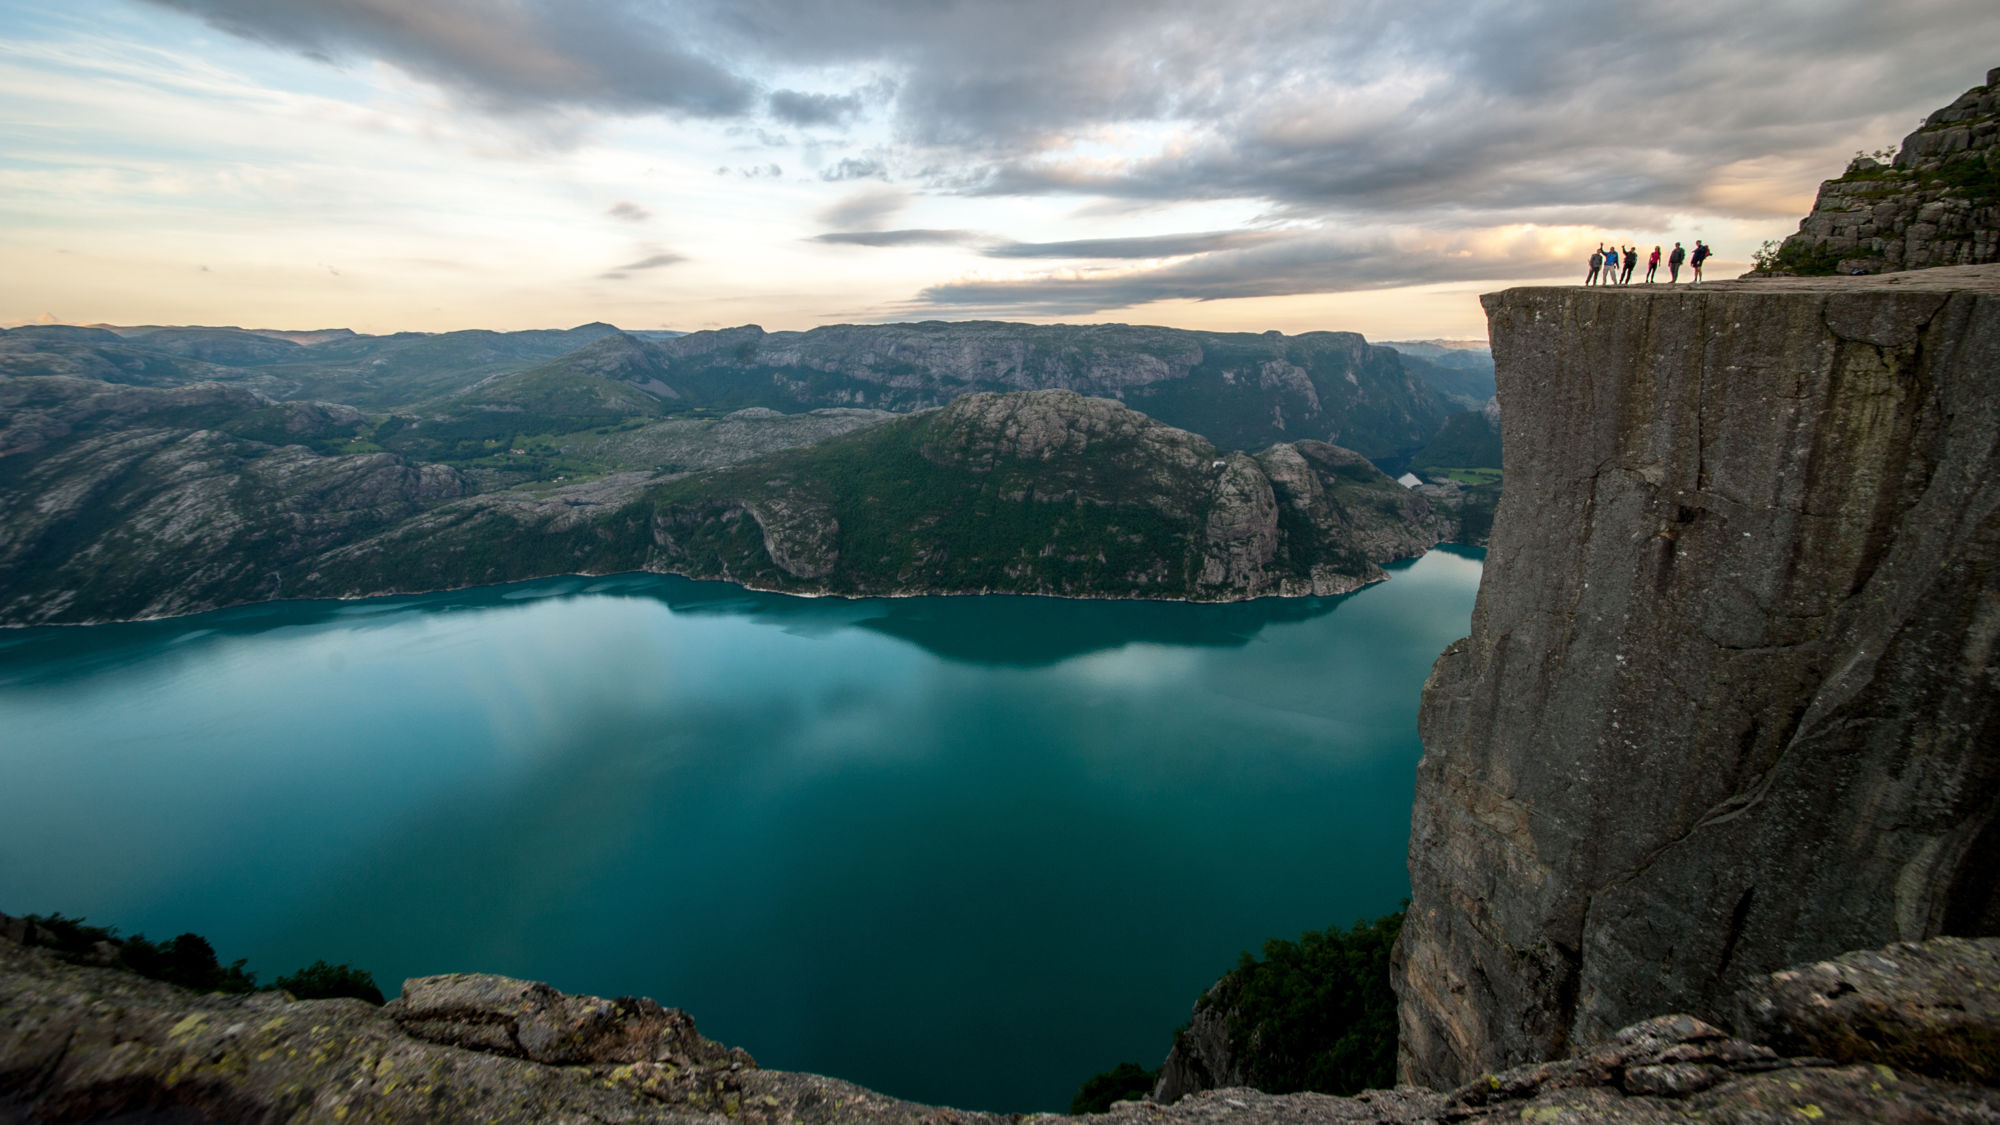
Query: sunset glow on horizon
{"x":443,"y":164}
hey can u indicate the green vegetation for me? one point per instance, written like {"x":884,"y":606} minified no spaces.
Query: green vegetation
{"x":321,"y":981}
{"x":1316,"y":1014}
{"x":1467,"y":440}
{"x":1801,"y":260}
{"x":893,"y":505}
{"x":1464,"y":476}
{"x":1123,"y":1082}
{"x":188,"y":961}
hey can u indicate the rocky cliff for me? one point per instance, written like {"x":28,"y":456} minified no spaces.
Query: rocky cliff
{"x":1936,"y":203}
{"x":1907,"y":1034}
{"x":121,"y":502}
{"x":1730,"y":699}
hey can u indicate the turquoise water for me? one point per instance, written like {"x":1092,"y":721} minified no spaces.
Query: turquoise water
{"x":961,"y":850}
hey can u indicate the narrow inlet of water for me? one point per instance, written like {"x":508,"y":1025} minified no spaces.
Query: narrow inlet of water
{"x":966,"y":851}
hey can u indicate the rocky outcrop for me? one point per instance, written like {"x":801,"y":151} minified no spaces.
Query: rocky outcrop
{"x":1936,"y":203}
{"x":122,"y":502}
{"x":1203,"y":1056}
{"x":81,"y":1043}
{"x":1044,"y":492}
{"x":1729,"y":701}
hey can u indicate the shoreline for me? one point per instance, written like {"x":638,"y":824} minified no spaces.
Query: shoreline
{"x":13,"y":627}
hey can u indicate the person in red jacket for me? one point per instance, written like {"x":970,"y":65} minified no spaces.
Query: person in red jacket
{"x":1652,"y":265}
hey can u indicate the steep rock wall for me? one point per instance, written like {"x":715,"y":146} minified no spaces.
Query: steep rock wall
{"x":1728,"y":702}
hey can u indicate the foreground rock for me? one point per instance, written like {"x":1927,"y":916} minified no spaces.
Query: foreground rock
{"x":1730,"y":700}
{"x":91,"y":1044}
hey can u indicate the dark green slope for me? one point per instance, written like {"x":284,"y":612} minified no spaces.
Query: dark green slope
{"x":1044,"y":492}
{"x":1468,"y":441}
{"x":126,"y":502}
{"x":612,"y":378}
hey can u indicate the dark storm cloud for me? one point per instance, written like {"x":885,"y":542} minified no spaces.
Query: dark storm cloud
{"x":912,"y":237}
{"x":526,"y":54}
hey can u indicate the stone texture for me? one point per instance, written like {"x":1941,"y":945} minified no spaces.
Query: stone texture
{"x":533,"y":1021}
{"x":1202,"y":1057}
{"x":79,"y":1043}
{"x":1927,"y":1007}
{"x":1935,"y":204}
{"x":1729,"y":699}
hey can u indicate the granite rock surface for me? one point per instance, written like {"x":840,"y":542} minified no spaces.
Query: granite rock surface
{"x":1729,"y":699}
{"x":81,"y":1043}
{"x":1935,"y":203}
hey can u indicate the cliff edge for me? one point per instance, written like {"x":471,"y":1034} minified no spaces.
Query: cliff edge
{"x":1873,"y":1036}
{"x":1729,"y":698}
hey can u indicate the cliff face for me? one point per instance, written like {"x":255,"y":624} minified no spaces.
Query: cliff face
{"x":1729,"y":699}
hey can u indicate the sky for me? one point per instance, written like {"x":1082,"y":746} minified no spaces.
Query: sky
{"x":1357,"y":165}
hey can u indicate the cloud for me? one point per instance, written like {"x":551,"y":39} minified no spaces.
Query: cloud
{"x":1327,"y":120}
{"x":802,"y":109}
{"x":628,"y":211}
{"x":1302,"y":262}
{"x":1151,"y":246}
{"x":521,"y":55}
{"x":868,"y":207}
{"x":853,"y":168}
{"x":651,"y":261}
{"x":913,"y":237}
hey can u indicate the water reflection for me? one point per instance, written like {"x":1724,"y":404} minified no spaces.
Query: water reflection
{"x":870,"y":838}
{"x":1008,"y":630}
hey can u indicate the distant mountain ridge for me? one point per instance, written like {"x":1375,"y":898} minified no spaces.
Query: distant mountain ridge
{"x":157,"y":471}
{"x":1239,"y":390}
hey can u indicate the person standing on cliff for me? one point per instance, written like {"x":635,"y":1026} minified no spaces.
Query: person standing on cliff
{"x":1652,"y":265}
{"x":1674,"y":261}
{"x":1631,"y":261}
{"x":1701,"y":254}
{"x":1596,"y":262}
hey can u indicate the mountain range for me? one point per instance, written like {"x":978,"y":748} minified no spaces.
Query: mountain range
{"x":151,"y":471}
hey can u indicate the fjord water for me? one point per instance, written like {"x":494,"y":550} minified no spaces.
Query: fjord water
{"x":962,"y":850}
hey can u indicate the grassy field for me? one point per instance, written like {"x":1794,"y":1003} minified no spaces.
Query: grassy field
{"x":1467,"y":476}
